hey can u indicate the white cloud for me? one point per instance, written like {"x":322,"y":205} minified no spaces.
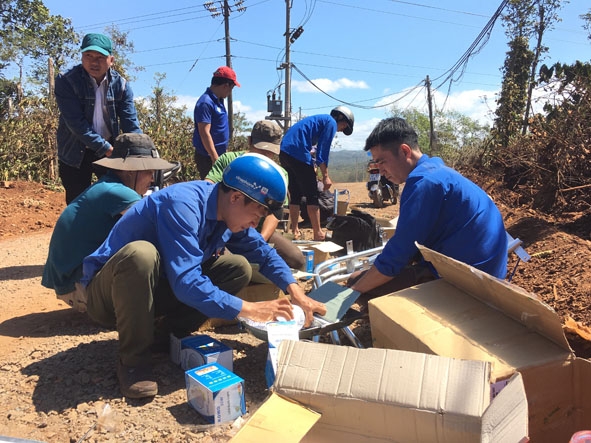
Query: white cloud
{"x":356,"y":141}
{"x":477,"y":104}
{"x":327,"y":85}
{"x":187,"y":101}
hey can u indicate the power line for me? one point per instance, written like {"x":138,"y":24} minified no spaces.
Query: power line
{"x":380,"y":11}
{"x":474,"y":49}
{"x":353,"y":104}
{"x":145,"y":17}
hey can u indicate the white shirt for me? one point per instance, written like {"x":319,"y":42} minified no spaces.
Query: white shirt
{"x":101,"y":115}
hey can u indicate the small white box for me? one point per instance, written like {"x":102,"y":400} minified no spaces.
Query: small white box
{"x":277,"y":332}
{"x":216,"y":393}
{"x":197,"y":350}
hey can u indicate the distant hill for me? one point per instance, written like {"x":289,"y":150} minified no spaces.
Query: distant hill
{"x":346,"y":166}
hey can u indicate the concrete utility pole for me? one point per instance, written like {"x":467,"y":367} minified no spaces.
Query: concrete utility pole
{"x":290,"y":37}
{"x":287,"y":65}
{"x":225,"y":9}
{"x":430,"y":105}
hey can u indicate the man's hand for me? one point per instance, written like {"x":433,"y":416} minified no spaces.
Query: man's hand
{"x":109,"y":152}
{"x":364,"y":281}
{"x":264,"y":311}
{"x":308,"y":305}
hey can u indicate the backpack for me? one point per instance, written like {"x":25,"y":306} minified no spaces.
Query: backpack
{"x":326,"y":204}
{"x":358,"y":226}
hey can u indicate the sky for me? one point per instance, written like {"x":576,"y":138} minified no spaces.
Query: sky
{"x":367,"y":55}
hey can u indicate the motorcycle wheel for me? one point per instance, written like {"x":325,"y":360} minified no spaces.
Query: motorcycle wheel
{"x":378,"y":199}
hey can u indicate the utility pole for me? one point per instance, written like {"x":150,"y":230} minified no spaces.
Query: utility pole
{"x":287,"y":65}
{"x":226,"y":9}
{"x":290,"y":37}
{"x":431,"y":132}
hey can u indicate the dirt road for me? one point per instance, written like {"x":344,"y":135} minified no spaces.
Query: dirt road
{"x":57,"y":367}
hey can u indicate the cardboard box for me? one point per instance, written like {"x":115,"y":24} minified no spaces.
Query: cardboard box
{"x":216,"y":393}
{"x":382,"y":395}
{"x":324,"y":251}
{"x":471,"y":315}
{"x":198,"y":350}
{"x":277,"y":332}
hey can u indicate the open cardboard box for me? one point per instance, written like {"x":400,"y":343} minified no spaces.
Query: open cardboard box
{"x":469,"y":314}
{"x":329,"y":393}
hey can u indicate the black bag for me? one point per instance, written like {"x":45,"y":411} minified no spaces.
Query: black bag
{"x":326,"y":204}
{"x":358,"y":226}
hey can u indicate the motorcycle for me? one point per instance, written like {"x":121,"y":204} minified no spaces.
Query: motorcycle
{"x":380,"y":188}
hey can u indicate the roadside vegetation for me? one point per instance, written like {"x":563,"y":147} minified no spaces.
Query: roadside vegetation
{"x":545,"y":157}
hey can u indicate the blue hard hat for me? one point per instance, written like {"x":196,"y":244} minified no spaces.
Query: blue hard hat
{"x":260,"y":179}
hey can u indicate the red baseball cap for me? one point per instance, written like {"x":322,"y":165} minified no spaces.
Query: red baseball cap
{"x":226,"y":72}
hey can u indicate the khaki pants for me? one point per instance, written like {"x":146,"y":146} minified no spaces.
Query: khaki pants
{"x":77,"y":299}
{"x":128,"y":294}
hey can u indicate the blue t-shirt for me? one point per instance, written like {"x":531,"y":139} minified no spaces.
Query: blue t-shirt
{"x":81,"y":228}
{"x":315,"y":131}
{"x":180,"y":221}
{"x":210,"y":109}
{"x":443,"y":210}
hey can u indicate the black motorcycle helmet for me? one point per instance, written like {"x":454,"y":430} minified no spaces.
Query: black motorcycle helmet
{"x":342,"y":112}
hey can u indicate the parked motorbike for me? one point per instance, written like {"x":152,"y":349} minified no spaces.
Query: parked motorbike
{"x":380,"y":188}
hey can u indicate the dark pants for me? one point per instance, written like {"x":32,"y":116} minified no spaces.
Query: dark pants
{"x":76,"y":180}
{"x":302,"y":180}
{"x":203,"y":163}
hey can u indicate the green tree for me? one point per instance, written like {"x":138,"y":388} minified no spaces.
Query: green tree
{"x":525,"y":21}
{"x":123,"y":47}
{"x":587,"y":23}
{"x":546,"y":17}
{"x":242,"y":128}
{"x":169,"y":126}
{"x":30,"y":35}
{"x":459,"y":140}
{"x":419,"y":121}
{"x":512,"y":100}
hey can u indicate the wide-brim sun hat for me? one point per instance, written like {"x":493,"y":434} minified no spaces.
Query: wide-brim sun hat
{"x":134,"y":152}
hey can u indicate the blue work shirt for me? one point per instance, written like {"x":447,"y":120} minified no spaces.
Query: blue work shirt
{"x":210,"y":109}
{"x":180,"y":221}
{"x":315,"y":131}
{"x":443,"y":210}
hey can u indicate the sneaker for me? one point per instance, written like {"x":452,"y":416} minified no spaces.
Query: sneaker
{"x":136,"y":381}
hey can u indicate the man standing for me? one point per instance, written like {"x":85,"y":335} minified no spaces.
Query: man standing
{"x":311,"y":133}
{"x":211,"y":134}
{"x":439,"y":208}
{"x":162,"y":259}
{"x":96,"y":104}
